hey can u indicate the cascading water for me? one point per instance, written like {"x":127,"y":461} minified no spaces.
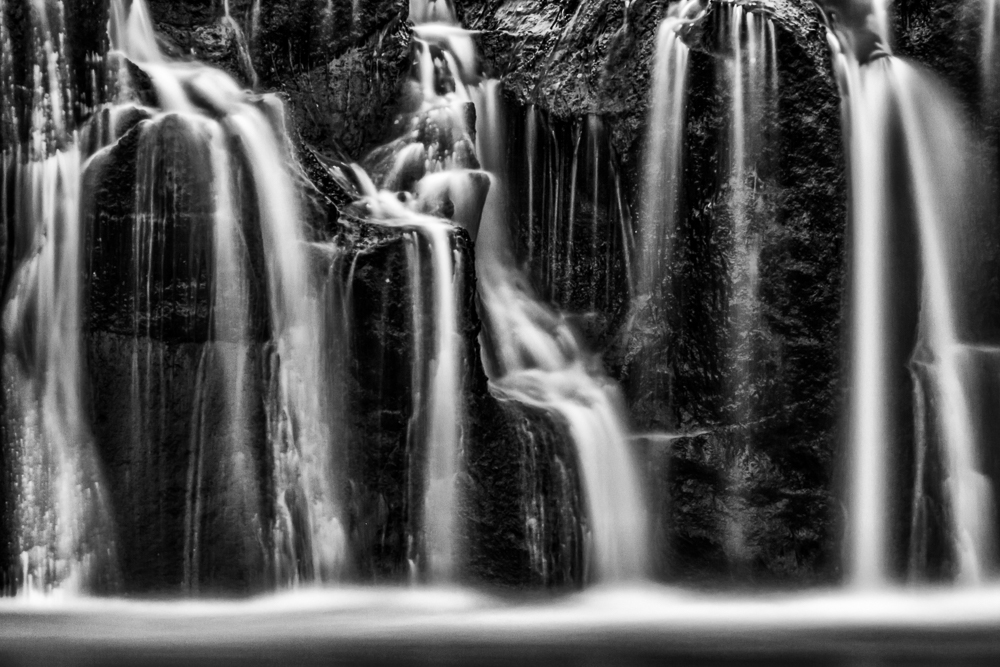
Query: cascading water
{"x":535,"y":358}
{"x":663,"y":164}
{"x":893,"y":110}
{"x":62,"y":530}
{"x":238,"y":139}
{"x":231,"y":363}
{"x":659,"y":213}
{"x":434,"y":160}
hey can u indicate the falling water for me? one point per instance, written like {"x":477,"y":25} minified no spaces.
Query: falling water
{"x":437,"y":413}
{"x":242,"y":46}
{"x":62,"y":529}
{"x":878,"y":95}
{"x":432,"y":11}
{"x":307,"y":537}
{"x":535,"y":358}
{"x":753,"y":85}
{"x":663,"y":162}
{"x":437,"y":153}
{"x":989,"y":66}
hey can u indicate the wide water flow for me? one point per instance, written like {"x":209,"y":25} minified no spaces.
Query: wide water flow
{"x":373,"y":397}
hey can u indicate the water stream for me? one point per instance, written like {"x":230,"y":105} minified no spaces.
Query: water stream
{"x":62,"y":532}
{"x":894,"y":110}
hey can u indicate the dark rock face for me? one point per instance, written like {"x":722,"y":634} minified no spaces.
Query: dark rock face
{"x":157,"y":420}
{"x":345,"y":106}
{"x":380,"y":497}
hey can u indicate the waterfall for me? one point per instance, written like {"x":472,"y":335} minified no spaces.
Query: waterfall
{"x":753,"y":85}
{"x":661,"y":192}
{"x":62,"y":531}
{"x":989,"y":66}
{"x":437,"y":388}
{"x":434,"y":161}
{"x":535,"y":358}
{"x":242,"y":46}
{"x":663,"y":166}
{"x":245,"y":137}
{"x":931,"y":154}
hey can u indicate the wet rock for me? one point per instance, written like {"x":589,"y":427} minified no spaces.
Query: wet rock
{"x":944,"y":36}
{"x":571,"y":60}
{"x":158,"y":397}
{"x":345,"y":106}
{"x":368,"y":274}
{"x":149,"y":234}
{"x":385,"y":455}
{"x":571,"y":222}
{"x":150,"y":273}
{"x":159,"y":423}
{"x":294,"y":36}
{"x":526,"y":509}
